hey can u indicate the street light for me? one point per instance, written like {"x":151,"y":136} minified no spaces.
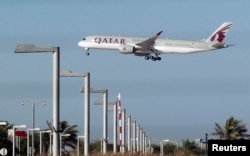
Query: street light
{"x":167,"y":140}
{"x":41,"y":140}
{"x":14,"y":138}
{"x":30,"y":48}
{"x":97,"y":102}
{"x":123,"y":129}
{"x":33,"y":116}
{"x":129,"y":133}
{"x":78,"y":144}
{"x":134,"y":136}
{"x":62,"y":135}
{"x":138,"y":137}
{"x":28,"y":136}
{"x":86,"y":104}
{"x":105,"y":121}
{"x":3,"y":123}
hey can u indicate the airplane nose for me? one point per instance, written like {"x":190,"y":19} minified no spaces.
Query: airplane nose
{"x":79,"y":43}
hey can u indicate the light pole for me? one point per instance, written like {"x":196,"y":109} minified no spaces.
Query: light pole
{"x":105,"y":121}
{"x":62,"y":135}
{"x":78,"y":144}
{"x":86,"y":104}
{"x":114,"y":122}
{"x":166,"y":140}
{"x":30,"y":48}
{"x":129,"y":133}
{"x":41,"y":140}
{"x":33,"y":117}
{"x":14,"y":138}
{"x":28,"y":143}
{"x":3,"y":123}
{"x":134,"y":136}
{"x":123,"y":129}
{"x":137,"y":138}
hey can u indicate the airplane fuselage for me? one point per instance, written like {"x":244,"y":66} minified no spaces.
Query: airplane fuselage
{"x":161,"y":45}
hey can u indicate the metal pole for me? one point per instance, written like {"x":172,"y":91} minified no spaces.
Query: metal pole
{"x":134,"y":136}
{"x":123,"y":129}
{"x":143,"y":142}
{"x":40,"y":143}
{"x":60,"y":144}
{"x":129,"y":133}
{"x":206,"y":144}
{"x":137,"y":138}
{"x":13,"y":142}
{"x":33,"y":126}
{"x":140,"y":139}
{"x":56,"y":108}
{"x":115,"y":128}
{"x":50,"y":144}
{"x":86,"y":114}
{"x":105,"y":121}
{"x":28,"y":142}
{"x":161,"y":148}
{"x":78,"y":146}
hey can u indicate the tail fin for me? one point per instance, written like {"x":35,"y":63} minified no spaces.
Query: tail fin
{"x":220,"y":34}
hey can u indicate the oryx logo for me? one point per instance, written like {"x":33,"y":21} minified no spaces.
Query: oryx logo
{"x":220,"y":34}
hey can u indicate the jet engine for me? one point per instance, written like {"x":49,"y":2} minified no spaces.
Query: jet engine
{"x":127,"y":49}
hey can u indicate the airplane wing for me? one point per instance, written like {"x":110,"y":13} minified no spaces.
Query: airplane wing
{"x":148,"y":45}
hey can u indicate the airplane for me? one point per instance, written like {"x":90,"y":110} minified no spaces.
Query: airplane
{"x":151,"y":48}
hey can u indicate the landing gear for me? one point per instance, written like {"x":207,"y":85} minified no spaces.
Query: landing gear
{"x":154,"y":58}
{"x":87,"y":51}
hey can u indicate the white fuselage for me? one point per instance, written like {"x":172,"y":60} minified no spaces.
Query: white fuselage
{"x":161,"y":45}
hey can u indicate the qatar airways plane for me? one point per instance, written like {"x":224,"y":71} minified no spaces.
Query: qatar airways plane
{"x":151,"y":48}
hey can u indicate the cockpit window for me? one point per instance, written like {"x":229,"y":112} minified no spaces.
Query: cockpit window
{"x":84,"y":39}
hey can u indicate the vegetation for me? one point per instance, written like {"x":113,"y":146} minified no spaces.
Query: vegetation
{"x":233,"y":129}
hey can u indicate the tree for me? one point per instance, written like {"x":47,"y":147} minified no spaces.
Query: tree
{"x":191,"y":148}
{"x":233,"y":129}
{"x":70,"y":141}
{"x":4,"y":140}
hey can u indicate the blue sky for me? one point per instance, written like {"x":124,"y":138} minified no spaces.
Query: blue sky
{"x":180,"y":97}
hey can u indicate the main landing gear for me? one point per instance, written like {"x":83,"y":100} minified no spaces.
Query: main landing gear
{"x":154,"y":58}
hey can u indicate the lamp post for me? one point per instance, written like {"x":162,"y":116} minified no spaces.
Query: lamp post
{"x":105,"y":121}
{"x":62,"y":135}
{"x":137,"y":138}
{"x":41,"y":140}
{"x":32,"y":147}
{"x":129,"y":133}
{"x":86,"y":104}
{"x":30,"y":48}
{"x":33,"y":116}
{"x":3,"y":123}
{"x":134,"y":136}
{"x":140,"y":138}
{"x":78,"y":144}
{"x":114,"y":122}
{"x":162,"y":145}
{"x":123,"y":129}
{"x":14,"y":138}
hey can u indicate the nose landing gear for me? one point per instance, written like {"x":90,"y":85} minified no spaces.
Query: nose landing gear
{"x":87,"y":51}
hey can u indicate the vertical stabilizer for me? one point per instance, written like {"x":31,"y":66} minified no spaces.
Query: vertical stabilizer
{"x":220,"y":34}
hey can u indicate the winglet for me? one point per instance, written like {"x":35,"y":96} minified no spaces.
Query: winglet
{"x":159,"y":33}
